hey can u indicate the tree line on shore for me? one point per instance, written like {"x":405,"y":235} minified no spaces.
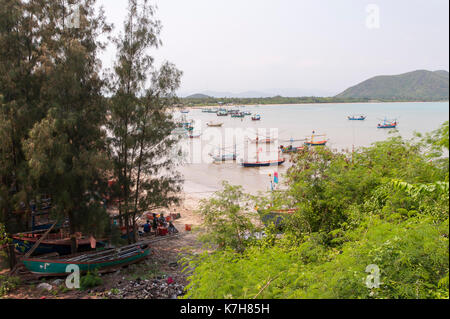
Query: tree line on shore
{"x":75,"y":131}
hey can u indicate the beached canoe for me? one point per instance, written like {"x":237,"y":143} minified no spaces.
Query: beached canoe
{"x":103,"y":260}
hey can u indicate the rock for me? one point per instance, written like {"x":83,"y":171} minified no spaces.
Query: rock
{"x":44,"y":286}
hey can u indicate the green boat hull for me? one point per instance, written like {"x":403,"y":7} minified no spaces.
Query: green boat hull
{"x":47,"y":267}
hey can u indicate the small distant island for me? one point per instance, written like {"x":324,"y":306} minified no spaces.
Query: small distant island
{"x":415,"y":86}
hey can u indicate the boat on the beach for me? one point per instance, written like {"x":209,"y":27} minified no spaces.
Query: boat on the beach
{"x":111,"y":258}
{"x":275,"y":217}
{"x":256,"y":117}
{"x":264,"y":163}
{"x":56,"y":242}
{"x":357,"y":117}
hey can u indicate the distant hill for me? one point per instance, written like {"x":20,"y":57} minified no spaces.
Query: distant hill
{"x":198,"y":96}
{"x":420,"y":85}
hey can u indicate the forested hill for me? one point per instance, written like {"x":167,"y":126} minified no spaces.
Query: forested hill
{"x":420,"y":85}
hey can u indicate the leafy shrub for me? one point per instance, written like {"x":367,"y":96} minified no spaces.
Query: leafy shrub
{"x":90,"y":280}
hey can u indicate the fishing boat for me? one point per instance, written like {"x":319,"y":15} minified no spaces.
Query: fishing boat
{"x":388,"y":124}
{"x":54,"y":242}
{"x":214,"y":124}
{"x":247,"y":113}
{"x":357,"y":117}
{"x":239,"y":115}
{"x":256,"y":117}
{"x":222,"y":113}
{"x":107,"y":259}
{"x":224,"y":157}
{"x":194,"y":135}
{"x":291,"y":149}
{"x":312,"y":142}
{"x":184,"y":111}
{"x":264,"y":163}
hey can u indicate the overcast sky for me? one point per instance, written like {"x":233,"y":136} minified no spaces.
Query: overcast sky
{"x":319,"y":46}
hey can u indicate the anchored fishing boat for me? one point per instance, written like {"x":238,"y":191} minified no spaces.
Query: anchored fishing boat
{"x":239,"y":115}
{"x":256,"y":117}
{"x":222,"y":113}
{"x":388,"y":124}
{"x":356,"y":117}
{"x":194,"y":135}
{"x":265,"y":140}
{"x":259,"y":163}
{"x":312,"y":142}
{"x":107,"y":259}
{"x":291,"y":149}
{"x":184,"y":111}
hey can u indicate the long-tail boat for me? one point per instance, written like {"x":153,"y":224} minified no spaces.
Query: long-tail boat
{"x":388,"y":124}
{"x":107,"y":259}
{"x":256,"y":117}
{"x":264,"y":163}
{"x":222,"y":113}
{"x":291,"y":149}
{"x":239,"y":115}
{"x":54,"y":242}
{"x":312,"y":142}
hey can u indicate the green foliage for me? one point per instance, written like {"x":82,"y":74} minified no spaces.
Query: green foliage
{"x":386,"y":205}
{"x":8,"y":284}
{"x":228,"y":218}
{"x":90,"y":280}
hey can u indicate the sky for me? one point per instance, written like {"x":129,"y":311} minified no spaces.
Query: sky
{"x":315,"y":47}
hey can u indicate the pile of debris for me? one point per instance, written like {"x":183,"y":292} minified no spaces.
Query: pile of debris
{"x":157,"y":288}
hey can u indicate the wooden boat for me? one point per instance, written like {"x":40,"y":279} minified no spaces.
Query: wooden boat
{"x":222,"y":113}
{"x":54,"y":242}
{"x":256,"y":117}
{"x":356,"y":118}
{"x":291,"y":149}
{"x":106,"y":259}
{"x":214,"y":124}
{"x":312,"y":142}
{"x":239,"y":115}
{"x":264,"y":163}
{"x":194,"y":135}
{"x":388,"y":124}
{"x":247,"y":113}
{"x":184,"y":111}
{"x":267,"y":140}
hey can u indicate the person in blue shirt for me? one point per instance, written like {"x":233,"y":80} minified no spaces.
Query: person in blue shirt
{"x":147,"y":227}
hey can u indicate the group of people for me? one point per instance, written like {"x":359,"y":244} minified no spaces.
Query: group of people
{"x":159,"y":222}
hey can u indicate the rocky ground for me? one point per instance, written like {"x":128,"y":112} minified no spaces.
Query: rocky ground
{"x":160,"y":276}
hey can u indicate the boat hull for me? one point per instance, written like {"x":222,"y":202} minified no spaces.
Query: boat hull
{"x":387,"y":126}
{"x":262,"y":164}
{"x":321,"y":143}
{"x":46,"y":267}
{"x":62,"y":247}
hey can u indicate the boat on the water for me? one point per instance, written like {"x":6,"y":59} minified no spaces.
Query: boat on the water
{"x":214,"y":124}
{"x":291,"y":149}
{"x":239,"y":115}
{"x":388,"y":124}
{"x":256,"y":117}
{"x":194,"y":135}
{"x":264,"y":163}
{"x":184,"y":111}
{"x":357,"y":117}
{"x":222,"y":113}
{"x":100,"y":260}
{"x":312,"y":142}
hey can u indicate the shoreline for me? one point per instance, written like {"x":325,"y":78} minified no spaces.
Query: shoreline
{"x":300,"y":104}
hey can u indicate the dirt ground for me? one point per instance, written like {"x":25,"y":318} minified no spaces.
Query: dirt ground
{"x":158,"y":276}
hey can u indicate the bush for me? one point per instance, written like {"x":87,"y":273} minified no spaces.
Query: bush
{"x":7,"y":284}
{"x":90,"y":280}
